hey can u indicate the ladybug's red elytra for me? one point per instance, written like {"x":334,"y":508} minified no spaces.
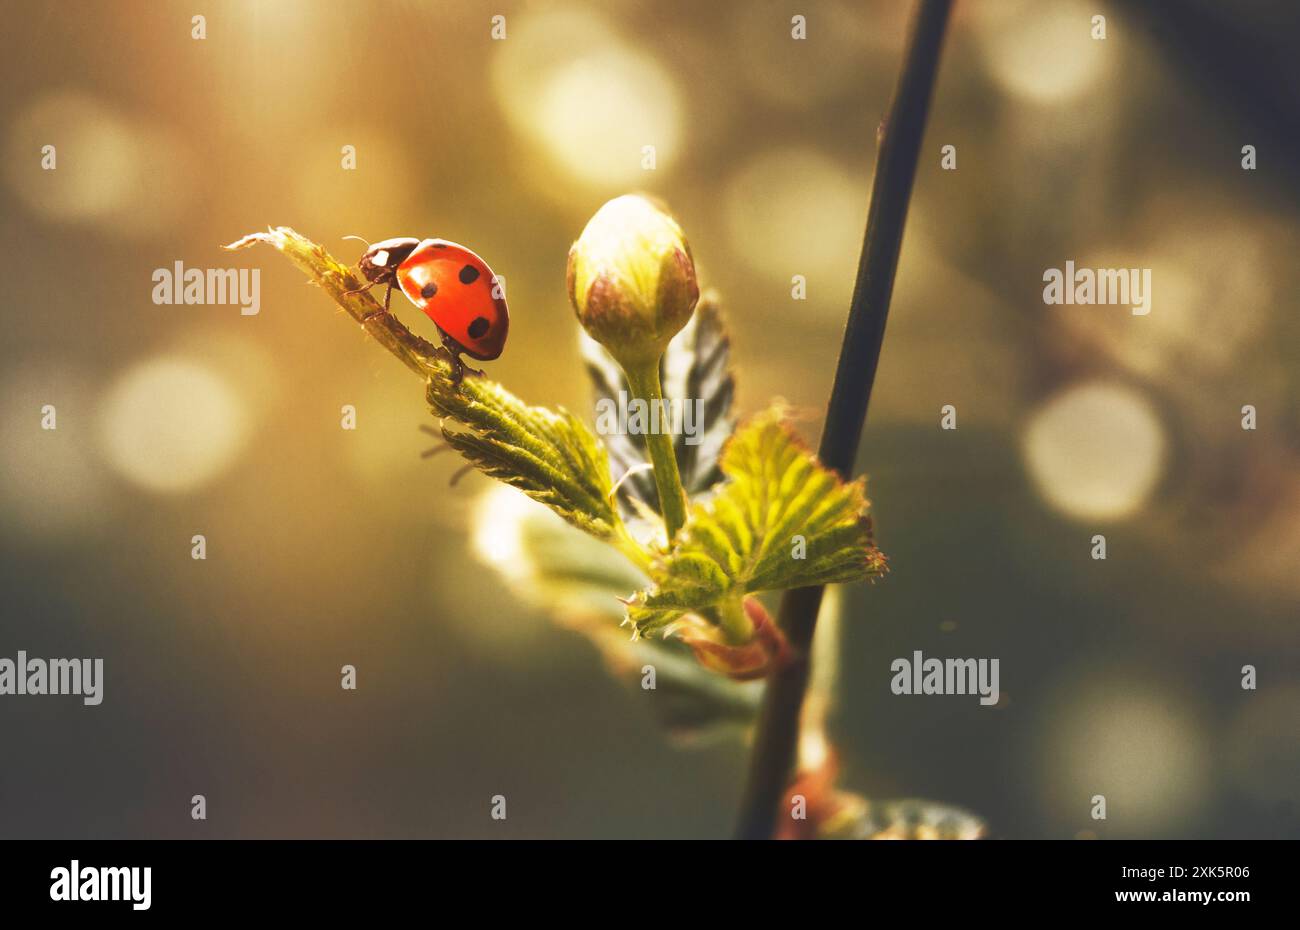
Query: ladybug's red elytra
{"x":452,"y":285}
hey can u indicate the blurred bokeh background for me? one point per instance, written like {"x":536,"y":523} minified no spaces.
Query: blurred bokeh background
{"x":328,"y":546}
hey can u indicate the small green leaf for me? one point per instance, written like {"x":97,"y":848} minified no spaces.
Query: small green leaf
{"x":780,"y":521}
{"x":551,"y":456}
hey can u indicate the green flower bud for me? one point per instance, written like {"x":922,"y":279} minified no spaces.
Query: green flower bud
{"x":632,"y":280}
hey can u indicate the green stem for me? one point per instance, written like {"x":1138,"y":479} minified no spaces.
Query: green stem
{"x":736,"y":627}
{"x":777,"y":732}
{"x":644,"y":383}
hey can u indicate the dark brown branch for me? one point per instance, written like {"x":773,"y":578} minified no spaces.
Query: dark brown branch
{"x":772,"y":762}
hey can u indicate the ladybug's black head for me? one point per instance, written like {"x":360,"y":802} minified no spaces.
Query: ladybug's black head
{"x":379,"y":264}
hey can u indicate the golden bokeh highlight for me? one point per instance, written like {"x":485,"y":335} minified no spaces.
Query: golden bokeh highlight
{"x":498,"y":531}
{"x":796,"y":211}
{"x":1095,"y":451}
{"x":96,"y":158}
{"x":127,"y":176}
{"x":272,"y":71}
{"x":171,"y":424}
{"x":568,"y":82}
{"x":1139,"y":744}
{"x":1041,"y":53}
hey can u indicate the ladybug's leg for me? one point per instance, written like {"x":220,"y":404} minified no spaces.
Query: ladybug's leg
{"x":450,"y":346}
{"x":365,"y":288}
{"x":458,"y":366}
{"x":361,"y":290}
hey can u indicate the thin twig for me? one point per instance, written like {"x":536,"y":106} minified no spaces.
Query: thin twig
{"x":772,"y":761}
{"x":341,"y":283}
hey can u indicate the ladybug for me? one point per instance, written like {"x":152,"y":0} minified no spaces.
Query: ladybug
{"x":453,"y":286}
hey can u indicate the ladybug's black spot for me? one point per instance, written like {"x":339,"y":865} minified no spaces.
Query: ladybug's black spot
{"x":428,"y":290}
{"x":479,"y":326}
{"x":440,"y":245}
{"x":468,"y":274}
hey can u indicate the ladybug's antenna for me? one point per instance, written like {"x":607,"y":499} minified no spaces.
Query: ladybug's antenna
{"x":359,"y":239}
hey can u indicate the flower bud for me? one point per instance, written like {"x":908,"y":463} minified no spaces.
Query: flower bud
{"x":631,"y":279}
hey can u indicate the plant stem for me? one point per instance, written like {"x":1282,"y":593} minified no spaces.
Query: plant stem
{"x":777,"y":733}
{"x":644,"y":383}
{"x":339,"y":281}
{"x":736,"y":626}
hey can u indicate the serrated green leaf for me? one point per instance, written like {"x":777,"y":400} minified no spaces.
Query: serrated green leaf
{"x":743,"y":539}
{"x":551,"y":456}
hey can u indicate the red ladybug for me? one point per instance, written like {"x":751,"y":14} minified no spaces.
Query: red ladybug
{"x":453,"y":286}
